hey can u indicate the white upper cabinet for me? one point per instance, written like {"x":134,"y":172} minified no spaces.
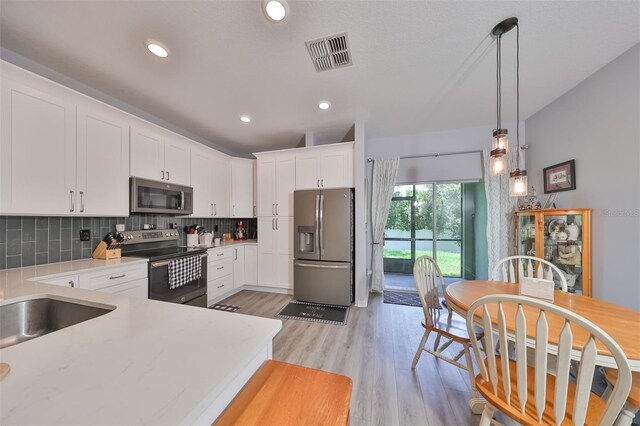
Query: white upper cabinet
{"x":276,"y":182}
{"x":327,"y":166}
{"x":266,"y":185}
{"x":102,"y":160}
{"x":201,"y":181}
{"x":211,"y":181}
{"x":38,"y":150}
{"x":159,"y":155}
{"x":242,"y":187}
{"x":177,"y":160}
{"x":221,"y":185}
{"x":61,"y":153}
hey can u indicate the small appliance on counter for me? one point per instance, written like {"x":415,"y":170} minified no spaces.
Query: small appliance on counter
{"x":241,"y":232}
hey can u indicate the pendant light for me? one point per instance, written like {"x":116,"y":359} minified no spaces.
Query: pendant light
{"x":500,"y":142}
{"x":518,"y":177}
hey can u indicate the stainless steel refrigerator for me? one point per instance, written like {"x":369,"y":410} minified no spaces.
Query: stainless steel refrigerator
{"x":323,"y":240}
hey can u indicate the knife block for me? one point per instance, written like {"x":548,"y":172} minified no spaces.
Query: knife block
{"x":101,"y":252}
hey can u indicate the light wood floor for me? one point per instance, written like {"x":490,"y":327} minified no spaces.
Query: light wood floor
{"x":375,"y":349}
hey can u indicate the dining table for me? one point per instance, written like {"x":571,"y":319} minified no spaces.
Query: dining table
{"x":621,"y":323}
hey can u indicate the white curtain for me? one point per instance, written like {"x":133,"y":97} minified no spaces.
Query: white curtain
{"x":385,"y":171}
{"x":500,"y":209}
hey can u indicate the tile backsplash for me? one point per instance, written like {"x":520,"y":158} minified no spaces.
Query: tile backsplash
{"x":36,"y":240}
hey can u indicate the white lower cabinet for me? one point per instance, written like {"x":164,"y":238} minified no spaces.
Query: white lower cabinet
{"x":65,"y":281}
{"x":126,"y":280}
{"x":251,"y":264}
{"x":219,"y":272}
{"x":238,"y":266}
{"x":275,"y":251}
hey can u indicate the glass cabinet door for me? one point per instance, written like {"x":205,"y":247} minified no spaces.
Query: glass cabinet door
{"x":563,"y":246}
{"x":527,"y":235}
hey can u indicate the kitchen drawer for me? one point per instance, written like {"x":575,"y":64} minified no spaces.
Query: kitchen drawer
{"x":137,"y":288}
{"x":113,"y":276}
{"x":66,"y":281}
{"x":219,"y":287}
{"x":219,"y":269}
{"x":220,"y":254}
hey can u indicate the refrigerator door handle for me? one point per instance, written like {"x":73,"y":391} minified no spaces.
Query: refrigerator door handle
{"x":316,"y":247}
{"x":315,"y":265}
{"x":321,"y":230}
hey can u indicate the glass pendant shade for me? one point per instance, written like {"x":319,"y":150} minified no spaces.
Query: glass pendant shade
{"x":518,"y":183}
{"x":498,"y":165}
{"x":500,"y":144}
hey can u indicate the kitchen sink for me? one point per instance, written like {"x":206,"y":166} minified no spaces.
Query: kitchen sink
{"x":29,"y":319}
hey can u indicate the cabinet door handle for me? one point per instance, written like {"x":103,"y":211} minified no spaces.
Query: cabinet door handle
{"x":220,"y":254}
{"x":220,"y":267}
{"x":220,"y":286}
{"x":72,"y":284}
{"x":273,"y":209}
{"x":73,"y":204}
{"x":273,"y":224}
{"x":211,"y":209}
{"x":233,"y":211}
{"x":215,"y":209}
{"x":81,"y":201}
{"x":277,"y":209}
{"x":236,"y":255}
{"x":276,"y":223}
{"x":254,"y":211}
{"x":162,"y":174}
{"x":168,"y":178}
{"x":318,"y":183}
{"x":115,"y":277}
{"x":322,"y":183}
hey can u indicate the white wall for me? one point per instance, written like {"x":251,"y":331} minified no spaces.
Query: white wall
{"x":454,"y":140}
{"x":597,"y":123}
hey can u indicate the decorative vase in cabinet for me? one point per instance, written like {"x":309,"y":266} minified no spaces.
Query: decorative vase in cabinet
{"x":562,"y":237}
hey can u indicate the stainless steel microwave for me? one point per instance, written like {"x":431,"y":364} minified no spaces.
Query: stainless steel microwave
{"x":150,"y":196}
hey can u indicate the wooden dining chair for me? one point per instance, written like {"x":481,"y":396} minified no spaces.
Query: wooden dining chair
{"x":529,"y":395}
{"x":633,"y":400}
{"x":443,"y":322}
{"x":511,"y":268}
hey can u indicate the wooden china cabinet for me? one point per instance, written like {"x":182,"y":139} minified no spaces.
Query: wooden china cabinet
{"x":563,"y":237}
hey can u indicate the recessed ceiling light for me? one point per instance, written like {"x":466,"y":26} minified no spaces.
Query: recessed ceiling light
{"x":324,"y":105}
{"x":157,"y":48}
{"x":245,"y":118}
{"x":275,"y":10}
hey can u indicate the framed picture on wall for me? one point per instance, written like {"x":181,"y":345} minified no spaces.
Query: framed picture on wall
{"x":560,"y":177}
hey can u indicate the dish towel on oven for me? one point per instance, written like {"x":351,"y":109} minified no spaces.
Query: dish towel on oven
{"x":182,"y":271}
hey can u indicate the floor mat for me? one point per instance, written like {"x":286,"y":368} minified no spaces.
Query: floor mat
{"x":327,"y":314}
{"x":401,"y":298}
{"x":223,"y":307}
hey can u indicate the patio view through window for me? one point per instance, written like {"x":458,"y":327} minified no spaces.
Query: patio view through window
{"x":425,"y":219}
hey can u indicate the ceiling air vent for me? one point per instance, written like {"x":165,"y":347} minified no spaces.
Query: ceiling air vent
{"x":330,"y":52}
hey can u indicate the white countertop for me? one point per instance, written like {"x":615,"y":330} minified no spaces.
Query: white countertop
{"x":146,"y":362}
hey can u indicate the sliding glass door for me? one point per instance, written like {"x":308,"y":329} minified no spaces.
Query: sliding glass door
{"x":425,"y":219}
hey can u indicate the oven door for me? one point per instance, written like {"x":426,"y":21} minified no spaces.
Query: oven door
{"x":148,"y":196}
{"x":159,"y":283}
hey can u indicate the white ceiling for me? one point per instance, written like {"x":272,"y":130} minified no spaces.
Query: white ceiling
{"x":417,"y":65}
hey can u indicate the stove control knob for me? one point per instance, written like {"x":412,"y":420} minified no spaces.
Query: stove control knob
{"x":168,"y":234}
{"x":175,"y":234}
